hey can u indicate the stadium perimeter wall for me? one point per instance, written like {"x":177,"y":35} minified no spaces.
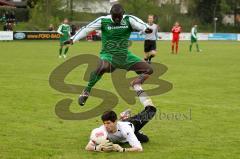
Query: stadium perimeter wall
{"x":135,"y":36}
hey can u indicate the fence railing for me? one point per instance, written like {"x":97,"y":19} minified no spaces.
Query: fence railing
{"x":135,"y":36}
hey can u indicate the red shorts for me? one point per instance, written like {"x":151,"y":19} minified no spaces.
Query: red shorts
{"x":176,"y":39}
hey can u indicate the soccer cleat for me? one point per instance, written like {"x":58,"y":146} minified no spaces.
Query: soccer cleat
{"x":59,"y":56}
{"x":64,"y":56}
{"x":125,"y":114}
{"x":83,"y":98}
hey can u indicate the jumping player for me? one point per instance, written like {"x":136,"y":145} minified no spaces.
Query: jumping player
{"x":116,"y":29}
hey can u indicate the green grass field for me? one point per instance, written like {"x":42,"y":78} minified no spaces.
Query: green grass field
{"x":207,"y":84}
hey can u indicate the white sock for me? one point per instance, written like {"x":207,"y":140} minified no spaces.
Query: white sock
{"x":143,"y":97}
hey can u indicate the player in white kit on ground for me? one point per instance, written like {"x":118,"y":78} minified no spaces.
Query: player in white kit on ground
{"x":125,"y":131}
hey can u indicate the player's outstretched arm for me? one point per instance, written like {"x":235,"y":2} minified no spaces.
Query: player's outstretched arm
{"x":139,"y":25}
{"x":84,"y":31}
{"x":118,"y":148}
{"x":132,"y":140}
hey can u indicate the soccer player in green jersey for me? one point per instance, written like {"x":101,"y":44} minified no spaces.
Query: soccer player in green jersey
{"x":65,"y":32}
{"x":194,"y":38}
{"x":116,"y":29}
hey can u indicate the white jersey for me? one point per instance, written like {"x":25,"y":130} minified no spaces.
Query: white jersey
{"x":154,"y":34}
{"x":125,"y":133}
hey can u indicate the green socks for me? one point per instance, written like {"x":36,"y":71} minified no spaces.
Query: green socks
{"x":94,"y":78}
{"x":190,"y":48}
{"x":197,"y":47}
{"x":66,"y":50}
{"x":60,"y":51}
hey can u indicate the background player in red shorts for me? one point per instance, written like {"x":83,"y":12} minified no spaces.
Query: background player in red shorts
{"x":176,"y":30}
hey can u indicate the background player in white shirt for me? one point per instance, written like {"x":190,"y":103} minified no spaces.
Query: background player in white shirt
{"x":150,"y":45}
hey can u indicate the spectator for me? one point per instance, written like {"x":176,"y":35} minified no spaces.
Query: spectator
{"x":51,"y":27}
{"x":7,"y":15}
{"x":12,"y":17}
{"x":7,"y":27}
{"x":3,"y":18}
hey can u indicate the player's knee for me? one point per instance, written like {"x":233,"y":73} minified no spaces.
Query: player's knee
{"x":151,"y":111}
{"x":100,"y":71}
{"x":142,"y":138}
{"x":149,"y":71}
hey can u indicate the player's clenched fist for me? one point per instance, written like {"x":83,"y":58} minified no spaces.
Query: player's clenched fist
{"x":148,"y":31}
{"x":118,"y":148}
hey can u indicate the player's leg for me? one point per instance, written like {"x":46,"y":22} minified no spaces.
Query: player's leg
{"x":95,"y":76}
{"x":143,"y":69}
{"x":146,"y":56}
{"x":60,"y":49}
{"x":193,"y":40}
{"x":62,"y":40}
{"x":103,"y":67}
{"x":177,"y":42}
{"x":173,"y":46}
{"x":152,"y":55}
{"x":65,"y":51}
{"x":197,"y":46}
{"x":153,"y":51}
{"x":141,"y":119}
{"x":146,"y":50}
{"x":190,"y":47}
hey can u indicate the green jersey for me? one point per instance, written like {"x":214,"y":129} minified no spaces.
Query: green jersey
{"x":115,"y":38}
{"x":194,"y":34}
{"x":65,"y":31}
{"x":3,"y":19}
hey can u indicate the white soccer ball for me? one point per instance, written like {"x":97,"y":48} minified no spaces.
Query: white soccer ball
{"x":98,"y":136}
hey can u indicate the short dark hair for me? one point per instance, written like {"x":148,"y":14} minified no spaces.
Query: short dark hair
{"x":117,"y":9}
{"x":109,"y":115}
